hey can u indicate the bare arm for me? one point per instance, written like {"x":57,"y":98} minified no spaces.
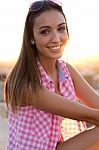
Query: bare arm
{"x":83,"y":90}
{"x":56,"y":104}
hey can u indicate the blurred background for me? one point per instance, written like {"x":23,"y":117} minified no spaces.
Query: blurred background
{"x":82,"y":50}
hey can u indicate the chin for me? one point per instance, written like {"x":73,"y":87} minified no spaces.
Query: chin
{"x":58,"y":57}
{"x":55,"y":56}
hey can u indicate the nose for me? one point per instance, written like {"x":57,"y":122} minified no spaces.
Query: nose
{"x":55,"y":37}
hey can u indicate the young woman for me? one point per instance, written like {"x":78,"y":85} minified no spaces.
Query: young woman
{"x":41,"y":91}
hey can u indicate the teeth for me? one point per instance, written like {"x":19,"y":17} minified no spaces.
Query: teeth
{"x":55,"y":48}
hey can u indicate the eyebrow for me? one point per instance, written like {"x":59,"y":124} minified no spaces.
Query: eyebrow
{"x":50,"y":27}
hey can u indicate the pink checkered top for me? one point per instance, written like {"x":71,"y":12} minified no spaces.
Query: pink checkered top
{"x":33,"y":129}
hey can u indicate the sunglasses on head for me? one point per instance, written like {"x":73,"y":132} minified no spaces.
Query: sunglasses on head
{"x":37,"y":5}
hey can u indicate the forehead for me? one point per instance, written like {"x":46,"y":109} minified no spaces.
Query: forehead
{"x":49,"y":18}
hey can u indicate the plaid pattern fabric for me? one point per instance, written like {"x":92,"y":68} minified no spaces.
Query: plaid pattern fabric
{"x":33,"y":129}
{"x":69,"y":127}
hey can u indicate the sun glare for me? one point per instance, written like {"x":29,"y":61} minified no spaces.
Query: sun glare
{"x":83,"y":24}
{"x":12,"y":57}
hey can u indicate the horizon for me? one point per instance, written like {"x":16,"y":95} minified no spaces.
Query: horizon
{"x":81,"y":61}
{"x":83,"y":24}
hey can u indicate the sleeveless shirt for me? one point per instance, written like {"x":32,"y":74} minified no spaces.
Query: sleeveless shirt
{"x":34,"y":129}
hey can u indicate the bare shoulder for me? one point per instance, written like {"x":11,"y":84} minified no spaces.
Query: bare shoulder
{"x":73,"y":71}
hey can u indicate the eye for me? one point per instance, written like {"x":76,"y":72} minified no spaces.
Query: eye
{"x":62,"y":28}
{"x":45,"y":32}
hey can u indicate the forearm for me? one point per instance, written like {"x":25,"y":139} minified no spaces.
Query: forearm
{"x":78,"y":111}
{"x":53,"y":103}
{"x":82,"y":141}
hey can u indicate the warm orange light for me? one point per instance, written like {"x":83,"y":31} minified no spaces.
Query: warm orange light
{"x":83,"y":23}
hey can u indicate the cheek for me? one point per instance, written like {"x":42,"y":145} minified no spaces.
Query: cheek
{"x":40,"y":44}
{"x":66,"y":38}
{"x":41,"y":41}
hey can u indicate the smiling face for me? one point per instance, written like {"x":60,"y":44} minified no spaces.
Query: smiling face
{"x":50,"y":34}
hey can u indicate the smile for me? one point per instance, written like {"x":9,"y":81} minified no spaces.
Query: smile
{"x":55,"y":48}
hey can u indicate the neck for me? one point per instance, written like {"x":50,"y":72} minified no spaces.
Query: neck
{"x":49,"y":66}
{"x":51,"y":69}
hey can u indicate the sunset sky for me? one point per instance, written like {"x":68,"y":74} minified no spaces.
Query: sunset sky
{"x":83,"y":23}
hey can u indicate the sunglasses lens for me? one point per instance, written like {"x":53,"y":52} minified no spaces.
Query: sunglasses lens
{"x":36,"y":6}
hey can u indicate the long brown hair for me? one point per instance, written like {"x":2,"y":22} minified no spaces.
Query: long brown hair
{"x":25,"y":74}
